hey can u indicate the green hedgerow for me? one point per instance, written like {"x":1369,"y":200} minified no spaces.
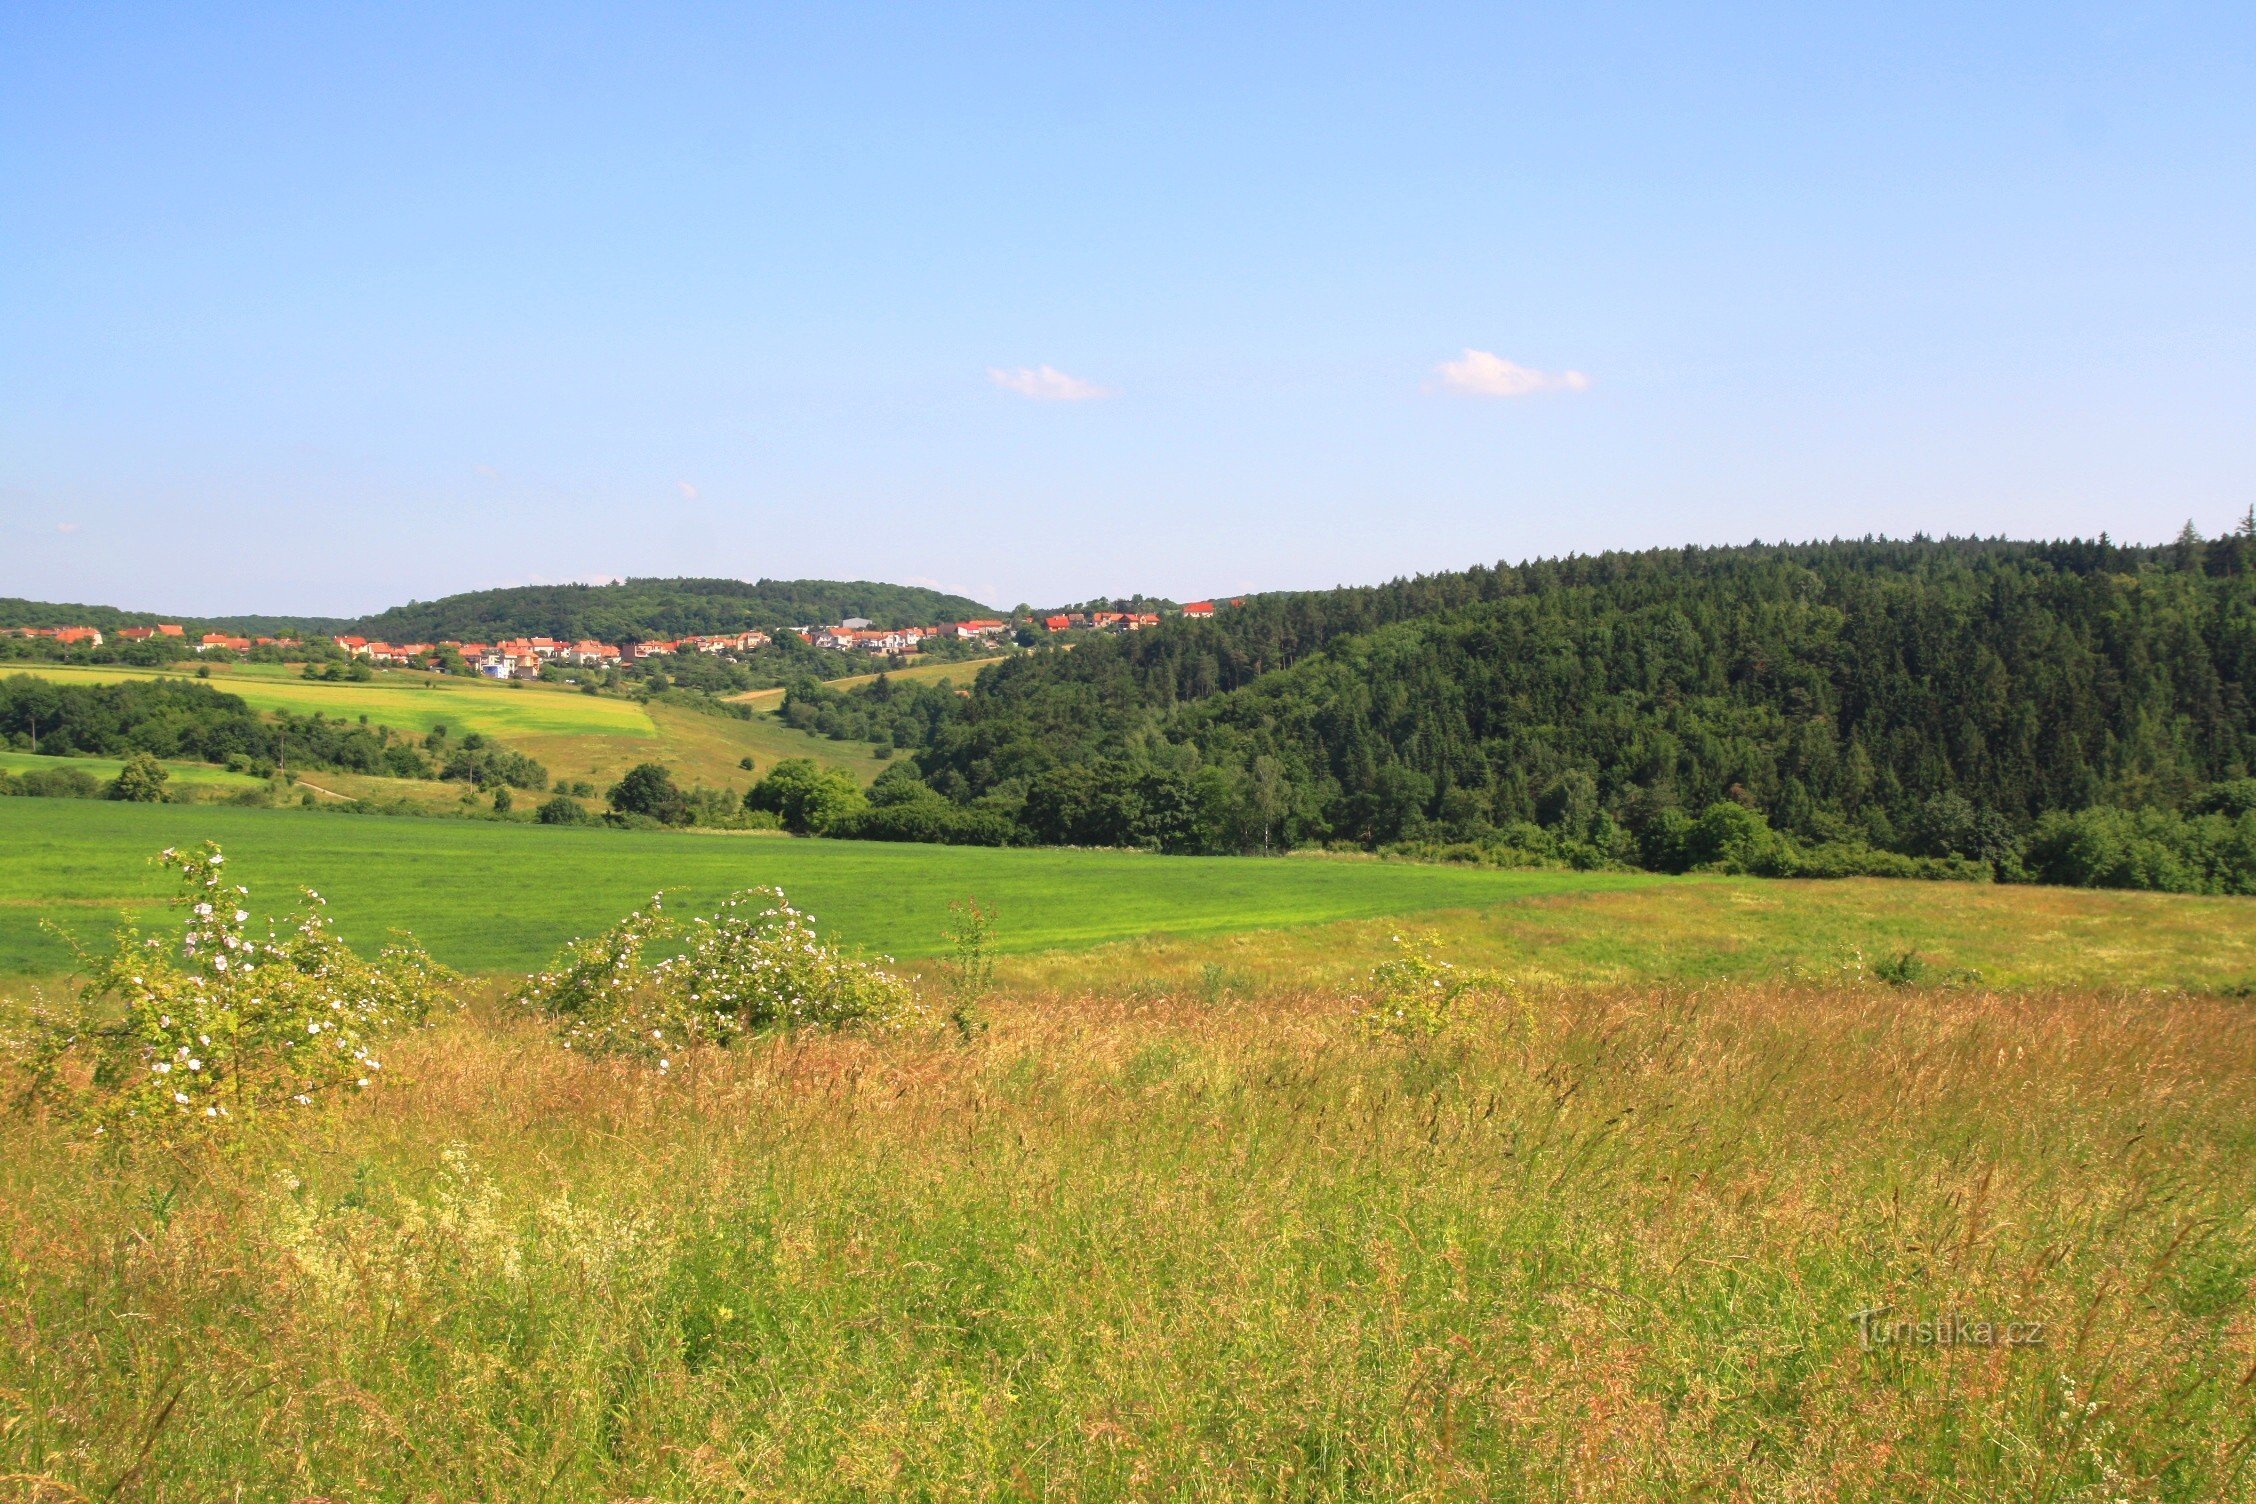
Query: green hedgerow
{"x":171,"y":1042}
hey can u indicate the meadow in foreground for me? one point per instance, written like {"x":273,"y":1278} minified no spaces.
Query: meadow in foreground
{"x":1597,"y":1243}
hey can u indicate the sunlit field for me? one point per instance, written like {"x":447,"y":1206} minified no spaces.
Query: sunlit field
{"x":203,"y":776}
{"x":1139,"y":1242}
{"x":1703,"y":1188}
{"x":573,"y":735}
{"x":486,"y":896}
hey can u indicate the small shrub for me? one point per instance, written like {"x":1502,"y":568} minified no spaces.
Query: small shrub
{"x":168,"y":1042}
{"x":971,"y":970}
{"x":1414,"y":993}
{"x":1904,"y":970}
{"x":140,"y":781}
{"x":562,"y":811}
{"x":746,"y":971}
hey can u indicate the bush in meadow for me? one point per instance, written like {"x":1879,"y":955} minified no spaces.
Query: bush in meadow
{"x":1413,"y":992}
{"x":755,"y":966}
{"x":171,"y":1041}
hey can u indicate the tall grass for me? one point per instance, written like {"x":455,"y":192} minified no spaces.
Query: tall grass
{"x":1593,"y":1245}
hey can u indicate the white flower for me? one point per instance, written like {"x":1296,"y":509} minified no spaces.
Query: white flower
{"x":195,"y":1065}
{"x":219,"y":963}
{"x":242,"y":916}
{"x":161,"y":1067}
{"x":181,"y":1097}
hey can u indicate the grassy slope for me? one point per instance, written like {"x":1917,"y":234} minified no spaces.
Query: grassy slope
{"x":489,"y":896}
{"x":574,"y":735}
{"x":961,"y":672}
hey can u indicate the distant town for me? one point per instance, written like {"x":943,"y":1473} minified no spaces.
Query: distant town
{"x":525,"y":657}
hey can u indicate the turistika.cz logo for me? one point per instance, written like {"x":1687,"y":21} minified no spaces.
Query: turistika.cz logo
{"x":1879,"y":1326}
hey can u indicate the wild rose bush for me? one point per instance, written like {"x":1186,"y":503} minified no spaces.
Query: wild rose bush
{"x":755,"y":966}
{"x":1413,"y":992}
{"x":170,"y":1041}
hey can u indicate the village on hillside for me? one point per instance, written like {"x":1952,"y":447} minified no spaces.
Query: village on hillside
{"x":525,"y":657}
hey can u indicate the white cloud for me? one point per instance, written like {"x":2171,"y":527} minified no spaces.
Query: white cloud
{"x":1483,"y":374}
{"x":689,"y":492}
{"x":1047,"y":384}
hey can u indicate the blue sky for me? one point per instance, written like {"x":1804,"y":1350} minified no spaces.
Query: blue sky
{"x":313,"y":308}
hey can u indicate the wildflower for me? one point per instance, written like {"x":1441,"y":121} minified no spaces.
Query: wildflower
{"x":195,"y":1065}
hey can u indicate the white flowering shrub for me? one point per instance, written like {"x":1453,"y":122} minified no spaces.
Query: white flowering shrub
{"x":755,"y":966}
{"x":1412,"y":992}
{"x":174,"y":1040}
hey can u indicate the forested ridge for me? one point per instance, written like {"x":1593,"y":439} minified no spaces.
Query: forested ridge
{"x":664,"y":608}
{"x":1935,"y":700}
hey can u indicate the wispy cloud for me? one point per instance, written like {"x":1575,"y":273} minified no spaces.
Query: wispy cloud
{"x":1047,"y":384}
{"x":689,"y":492}
{"x":1482,"y":373}
{"x":66,"y":527}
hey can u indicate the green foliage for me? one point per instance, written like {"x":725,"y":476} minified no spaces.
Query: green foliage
{"x":140,"y":781}
{"x":1413,"y":992}
{"x":50,"y":783}
{"x":2149,"y":848}
{"x":970,"y":970}
{"x":756,"y":966}
{"x":169,"y":1043}
{"x":648,"y":790}
{"x":806,"y":797}
{"x":563,"y":810}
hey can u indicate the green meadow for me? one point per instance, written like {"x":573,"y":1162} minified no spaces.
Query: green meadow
{"x":488,"y":896}
{"x":492,"y":897}
{"x":202,"y":775}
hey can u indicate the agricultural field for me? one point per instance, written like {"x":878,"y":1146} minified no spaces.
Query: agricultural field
{"x":489,"y":896}
{"x":960,"y":672}
{"x":574,"y":735}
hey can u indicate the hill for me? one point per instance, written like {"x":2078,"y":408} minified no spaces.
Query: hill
{"x":574,"y":737}
{"x":661,"y":608}
{"x":17,"y":612}
{"x":1934,"y":700}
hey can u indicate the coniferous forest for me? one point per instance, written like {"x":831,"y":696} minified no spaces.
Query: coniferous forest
{"x":2077,"y":712}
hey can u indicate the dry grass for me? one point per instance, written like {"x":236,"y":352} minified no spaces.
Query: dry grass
{"x":1600,"y":1243}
